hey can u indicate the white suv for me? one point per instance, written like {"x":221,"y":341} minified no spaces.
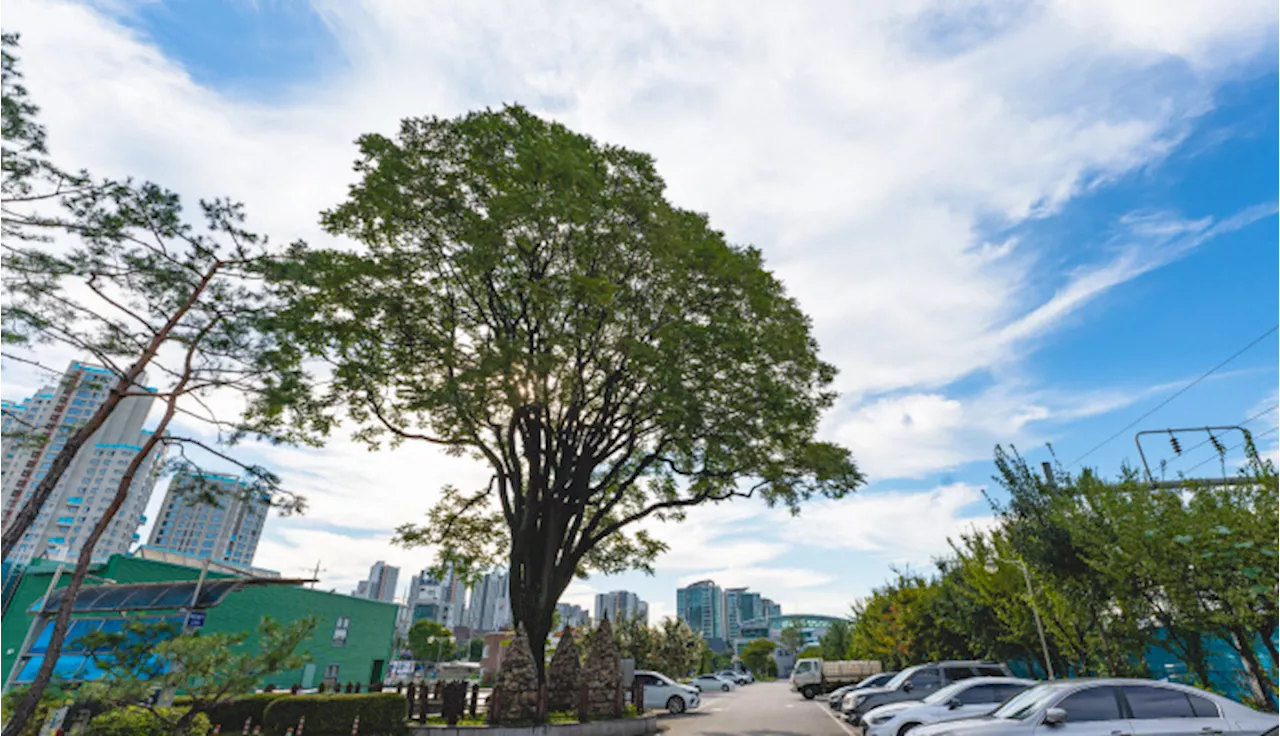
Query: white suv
{"x":661,"y":691}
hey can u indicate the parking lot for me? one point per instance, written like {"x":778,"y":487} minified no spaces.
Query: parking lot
{"x":760,"y":709}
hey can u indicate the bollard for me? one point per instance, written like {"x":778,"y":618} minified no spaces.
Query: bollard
{"x":355,"y":726}
{"x":302,"y":721}
{"x":247,"y":723}
{"x":257,"y":731}
{"x":289,"y":731}
{"x":217,"y":729}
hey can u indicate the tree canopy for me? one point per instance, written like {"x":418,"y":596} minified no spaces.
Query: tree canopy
{"x":527,"y":296}
{"x":431,"y":641}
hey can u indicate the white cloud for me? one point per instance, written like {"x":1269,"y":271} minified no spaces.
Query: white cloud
{"x":894,"y":526}
{"x":862,"y":146}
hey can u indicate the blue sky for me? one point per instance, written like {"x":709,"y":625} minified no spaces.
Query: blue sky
{"x":1024,"y":223}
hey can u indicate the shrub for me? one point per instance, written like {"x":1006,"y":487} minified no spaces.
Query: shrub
{"x":135,"y":721}
{"x":383,"y":714}
{"x":231,"y":715}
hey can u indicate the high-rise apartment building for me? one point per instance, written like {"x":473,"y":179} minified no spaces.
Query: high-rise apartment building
{"x":701,"y":605}
{"x":769,"y":609}
{"x":489,"y":608}
{"x":621,"y":605}
{"x":226,"y":530}
{"x":381,"y":585}
{"x":36,"y":429}
{"x":571,"y":615}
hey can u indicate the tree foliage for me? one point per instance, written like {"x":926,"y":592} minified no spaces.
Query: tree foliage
{"x":1117,"y":568}
{"x":527,"y":297}
{"x":210,"y":669}
{"x":431,"y":641}
{"x":757,"y":655}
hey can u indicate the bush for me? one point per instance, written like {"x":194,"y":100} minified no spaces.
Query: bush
{"x":135,"y":721}
{"x":383,"y":714}
{"x":232,"y":714}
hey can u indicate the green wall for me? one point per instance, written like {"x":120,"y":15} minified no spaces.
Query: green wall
{"x":369,"y":636}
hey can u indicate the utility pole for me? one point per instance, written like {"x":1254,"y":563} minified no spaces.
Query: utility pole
{"x":1213,"y":437}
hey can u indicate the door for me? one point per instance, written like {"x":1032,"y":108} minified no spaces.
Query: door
{"x":309,"y":675}
{"x":1166,"y":711}
{"x":1091,"y":711}
{"x":923,"y":682}
{"x":975,"y":701}
{"x":375,"y":674}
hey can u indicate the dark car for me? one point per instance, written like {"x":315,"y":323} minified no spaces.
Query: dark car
{"x":915,"y":683}
{"x":837,"y":695}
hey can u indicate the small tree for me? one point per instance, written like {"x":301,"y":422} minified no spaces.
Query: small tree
{"x":430,"y":641}
{"x":792,"y":638}
{"x":757,"y":654}
{"x":527,"y":296}
{"x":210,"y":669}
{"x":835,"y":642}
{"x":676,"y":647}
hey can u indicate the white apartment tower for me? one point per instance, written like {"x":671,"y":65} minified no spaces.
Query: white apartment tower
{"x":490,"y":606}
{"x":90,"y":482}
{"x":226,"y":530}
{"x":381,"y":585}
{"x":621,"y":605}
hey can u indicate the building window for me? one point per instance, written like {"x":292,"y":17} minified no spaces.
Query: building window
{"x":331,"y":671}
{"x":340,"y":632}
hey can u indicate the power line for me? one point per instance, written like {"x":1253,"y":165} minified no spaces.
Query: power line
{"x":1268,"y":410}
{"x":1233,"y":448}
{"x":1179,"y":392}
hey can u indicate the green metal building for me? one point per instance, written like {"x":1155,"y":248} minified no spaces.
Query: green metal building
{"x":352,"y":641}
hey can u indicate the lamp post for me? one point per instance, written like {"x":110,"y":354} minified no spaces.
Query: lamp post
{"x":992,"y":567}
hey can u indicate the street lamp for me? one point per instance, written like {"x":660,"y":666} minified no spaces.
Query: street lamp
{"x":992,"y":568}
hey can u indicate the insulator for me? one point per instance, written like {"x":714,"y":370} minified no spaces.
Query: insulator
{"x":1177,"y":446}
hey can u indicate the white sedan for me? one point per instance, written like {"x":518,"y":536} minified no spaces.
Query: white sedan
{"x":1111,"y":706}
{"x":713,"y":682}
{"x":661,"y":691}
{"x":976,"y":696}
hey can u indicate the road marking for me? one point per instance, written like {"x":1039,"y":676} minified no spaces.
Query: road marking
{"x":846,"y":727}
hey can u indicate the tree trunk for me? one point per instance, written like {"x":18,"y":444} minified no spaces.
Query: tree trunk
{"x":18,"y":722}
{"x":15,"y":528}
{"x":1270,"y":645}
{"x":534,"y":587}
{"x":1263,"y":689}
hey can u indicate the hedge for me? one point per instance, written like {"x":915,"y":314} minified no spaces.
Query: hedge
{"x":382,"y":714}
{"x":135,"y":721}
{"x":232,"y":714}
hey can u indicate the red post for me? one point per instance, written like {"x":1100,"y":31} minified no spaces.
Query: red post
{"x":247,"y":723}
{"x":302,"y":721}
{"x":355,"y":726}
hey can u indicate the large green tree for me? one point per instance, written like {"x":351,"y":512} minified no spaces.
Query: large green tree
{"x":430,"y":641}
{"x":527,"y":296}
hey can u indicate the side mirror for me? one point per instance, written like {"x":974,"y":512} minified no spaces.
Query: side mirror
{"x":1055,"y":717}
{"x":954,"y":703}
{"x":907,"y":687}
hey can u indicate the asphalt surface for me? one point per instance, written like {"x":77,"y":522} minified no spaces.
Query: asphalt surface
{"x":760,"y":709}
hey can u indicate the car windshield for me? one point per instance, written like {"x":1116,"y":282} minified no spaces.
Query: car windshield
{"x":900,"y":678}
{"x":1026,"y":703}
{"x":945,"y":694}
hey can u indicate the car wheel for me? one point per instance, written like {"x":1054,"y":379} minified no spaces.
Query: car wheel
{"x":724,"y":688}
{"x":675,"y":705}
{"x":809,"y":692}
{"x":906,"y":727}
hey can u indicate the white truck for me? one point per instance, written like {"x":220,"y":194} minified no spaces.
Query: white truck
{"x":812,"y":677}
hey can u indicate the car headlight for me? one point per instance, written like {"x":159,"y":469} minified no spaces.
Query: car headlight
{"x":858,"y":700}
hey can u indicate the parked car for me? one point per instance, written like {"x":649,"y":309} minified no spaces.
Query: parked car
{"x":917,"y":683}
{"x":713,"y":682}
{"x":976,"y":696}
{"x":837,"y":696}
{"x":662,"y":691}
{"x":738,"y":678}
{"x":1112,"y":706}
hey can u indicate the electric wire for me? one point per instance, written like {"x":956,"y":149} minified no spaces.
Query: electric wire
{"x":1176,"y":394}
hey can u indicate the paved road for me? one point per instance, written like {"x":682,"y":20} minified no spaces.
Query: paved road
{"x":762,"y":709}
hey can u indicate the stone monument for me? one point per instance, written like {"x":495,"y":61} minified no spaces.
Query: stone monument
{"x":602,"y":674}
{"x":516,"y":691}
{"x":564,"y":674}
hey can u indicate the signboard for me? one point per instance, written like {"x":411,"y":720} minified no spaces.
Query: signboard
{"x":195,"y":619}
{"x":399,"y":670}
